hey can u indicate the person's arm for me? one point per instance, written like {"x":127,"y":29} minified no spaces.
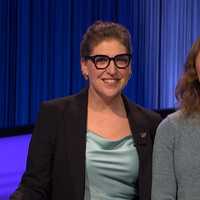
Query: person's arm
{"x":35,"y":183}
{"x":163,"y":178}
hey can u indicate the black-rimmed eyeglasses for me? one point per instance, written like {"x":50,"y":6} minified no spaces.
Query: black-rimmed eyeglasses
{"x":121,"y":61}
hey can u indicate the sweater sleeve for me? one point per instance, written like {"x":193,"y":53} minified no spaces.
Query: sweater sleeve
{"x":163,"y":177}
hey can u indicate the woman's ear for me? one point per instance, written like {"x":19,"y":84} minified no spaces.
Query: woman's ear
{"x":130,"y":72}
{"x":84,"y":69}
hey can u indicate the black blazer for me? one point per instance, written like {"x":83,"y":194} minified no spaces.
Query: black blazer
{"x":56,"y":159}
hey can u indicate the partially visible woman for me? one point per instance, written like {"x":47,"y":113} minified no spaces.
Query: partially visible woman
{"x":176,"y":156}
{"x":94,"y":145}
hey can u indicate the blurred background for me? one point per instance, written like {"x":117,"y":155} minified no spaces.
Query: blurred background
{"x":40,"y":60}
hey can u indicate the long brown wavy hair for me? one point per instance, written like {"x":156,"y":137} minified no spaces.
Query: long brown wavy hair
{"x":188,"y":87}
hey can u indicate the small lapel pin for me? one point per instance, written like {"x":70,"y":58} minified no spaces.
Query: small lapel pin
{"x":142,"y":139}
{"x":143,"y":134}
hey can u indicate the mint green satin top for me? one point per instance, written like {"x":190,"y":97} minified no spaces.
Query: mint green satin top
{"x":111,"y":168}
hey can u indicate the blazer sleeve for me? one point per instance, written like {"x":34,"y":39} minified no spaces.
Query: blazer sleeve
{"x":35,"y":183}
{"x":163,"y":176}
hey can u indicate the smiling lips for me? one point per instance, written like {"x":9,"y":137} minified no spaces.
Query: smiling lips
{"x":111,"y":80}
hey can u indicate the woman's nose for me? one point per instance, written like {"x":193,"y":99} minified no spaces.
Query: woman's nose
{"x":112,"y":68}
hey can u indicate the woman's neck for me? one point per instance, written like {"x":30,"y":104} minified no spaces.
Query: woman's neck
{"x":106,"y":105}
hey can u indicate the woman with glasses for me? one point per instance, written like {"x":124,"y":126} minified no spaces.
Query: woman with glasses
{"x":176,"y":158}
{"x":94,"y":145}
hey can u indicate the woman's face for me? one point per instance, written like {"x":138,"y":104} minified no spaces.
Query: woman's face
{"x":108,"y":82}
{"x":198,"y":65}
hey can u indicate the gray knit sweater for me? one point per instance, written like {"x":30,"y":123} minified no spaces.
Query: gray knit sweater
{"x":176,"y":159}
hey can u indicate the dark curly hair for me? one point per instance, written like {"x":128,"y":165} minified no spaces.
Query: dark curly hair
{"x":188,"y":87}
{"x":100,"y":31}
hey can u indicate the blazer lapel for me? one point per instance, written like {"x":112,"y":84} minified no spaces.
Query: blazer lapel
{"x":75,"y":129}
{"x":137,"y":123}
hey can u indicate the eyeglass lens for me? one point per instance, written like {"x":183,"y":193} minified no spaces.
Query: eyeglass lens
{"x":103,"y":61}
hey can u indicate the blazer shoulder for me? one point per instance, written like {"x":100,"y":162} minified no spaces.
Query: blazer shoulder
{"x":147,"y":114}
{"x":61,"y":103}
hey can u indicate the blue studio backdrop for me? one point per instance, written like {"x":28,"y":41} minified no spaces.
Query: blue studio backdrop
{"x":39,"y":49}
